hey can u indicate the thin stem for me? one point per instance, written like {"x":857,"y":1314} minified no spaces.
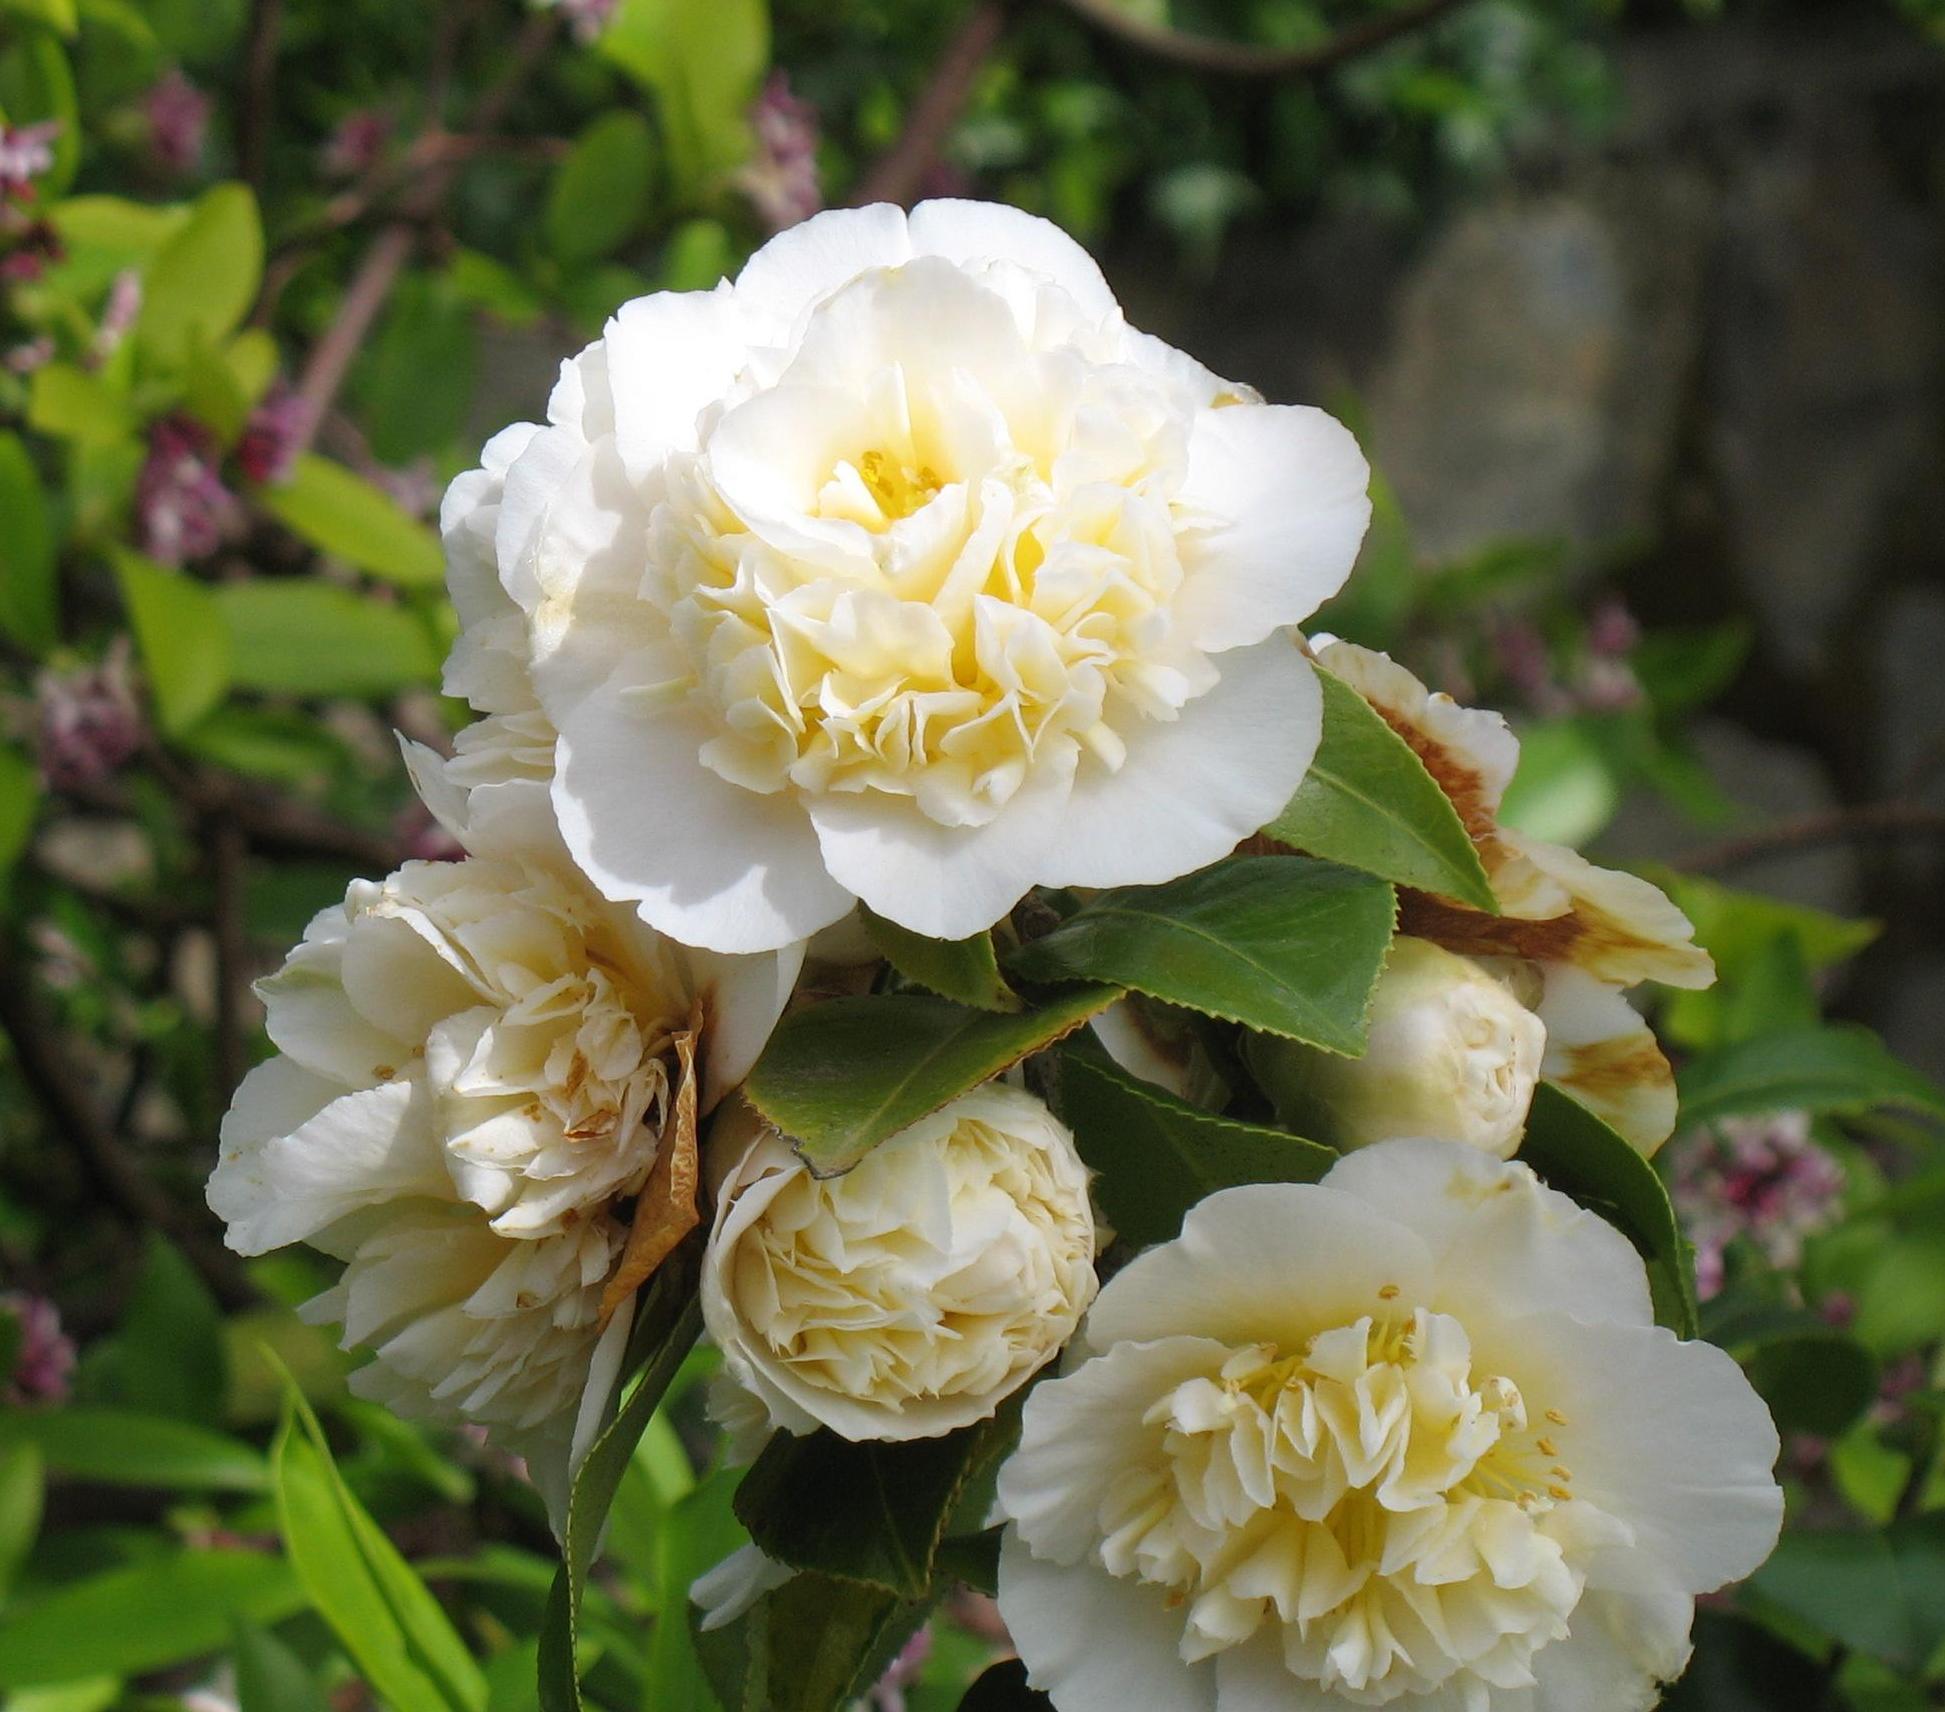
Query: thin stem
{"x":259,"y":90}
{"x":1869,"y":821}
{"x":898,"y":175}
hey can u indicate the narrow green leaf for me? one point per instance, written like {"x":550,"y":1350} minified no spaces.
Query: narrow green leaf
{"x":150,"y":1615}
{"x":600,"y":192}
{"x":1580,"y":1156}
{"x":1369,"y":803}
{"x":22,"y":1488}
{"x":964,"y":969}
{"x":1277,"y":943}
{"x":1155,"y":1156}
{"x":306,"y":638}
{"x":380,"y":1610}
{"x":866,"y":1512}
{"x":270,"y":1677}
{"x":1839,"y":1069}
{"x":840,"y":1077}
{"x":667,"y":1324}
{"x":20,"y":797}
{"x":29,"y":590}
{"x":184,"y":642}
{"x":205,"y":277}
{"x":121,"y":1448}
{"x":344,"y":515}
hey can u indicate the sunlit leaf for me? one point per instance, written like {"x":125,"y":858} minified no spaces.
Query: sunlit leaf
{"x":599,"y":193}
{"x":119,"y":1447}
{"x":344,"y":515}
{"x":184,"y":643}
{"x":307,"y":638}
{"x":205,"y":277}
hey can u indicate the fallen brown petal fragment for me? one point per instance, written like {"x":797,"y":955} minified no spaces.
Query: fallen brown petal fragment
{"x":666,"y":1210}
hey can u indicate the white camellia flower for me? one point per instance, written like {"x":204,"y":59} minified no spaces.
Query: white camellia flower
{"x":901,"y":569}
{"x":480,"y":1063}
{"x":1450,"y":1051}
{"x":910,"y":1296}
{"x":1408,"y":1438}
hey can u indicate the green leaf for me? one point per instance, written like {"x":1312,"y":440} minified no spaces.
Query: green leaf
{"x":813,"y":1645}
{"x":698,"y":1533}
{"x":290,"y":747}
{"x":163,"y":1611}
{"x":599,"y":196}
{"x":270,"y":1677}
{"x":184,"y":642}
{"x":1580,"y":1156}
{"x":702,"y":61}
{"x":697,"y":255}
{"x":414,"y":385}
{"x":119,"y":1447}
{"x":1739,"y":1667}
{"x":56,"y":15}
{"x":71,"y":404}
{"x":1155,"y":1156}
{"x":867,"y":1512}
{"x":667,"y":1324}
{"x":1839,"y":1069}
{"x":20,"y":797}
{"x":106,"y":235}
{"x":381,"y":1612}
{"x":300,"y":637}
{"x":840,"y":1077}
{"x":1878,"y":1593}
{"x":29,"y":590}
{"x":1369,"y":803}
{"x":22,"y":1489}
{"x":964,"y":969}
{"x":1566,"y":789}
{"x":169,"y":1355}
{"x":205,"y":277}
{"x":344,"y":515}
{"x":37,"y":83}
{"x":1277,"y":943}
{"x":1814,"y":1381}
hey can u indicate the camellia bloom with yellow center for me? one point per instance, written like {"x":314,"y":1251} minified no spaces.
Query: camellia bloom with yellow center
{"x":481,"y":1066}
{"x":912,"y":1295}
{"x":1570,"y":935}
{"x":1409,"y":1438}
{"x":902,"y":569}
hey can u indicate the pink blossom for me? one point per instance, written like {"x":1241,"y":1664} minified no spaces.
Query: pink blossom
{"x":355,"y":146}
{"x":1760,"y":1179}
{"x":44,"y":1358}
{"x":781,"y":179}
{"x":268,"y":445}
{"x":35,"y":353}
{"x":30,"y":245}
{"x":182,"y":509}
{"x":89,"y":720}
{"x":178,"y":116}
{"x":1612,"y":632}
{"x":1521,"y":653}
{"x":26,"y":151}
{"x":118,"y":313}
{"x":888,"y":1694}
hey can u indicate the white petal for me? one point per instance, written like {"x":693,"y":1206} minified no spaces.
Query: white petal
{"x":536,"y":476}
{"x":1668,"y":1436}
{"x":1254,"y":1678}
{"x":1601,"y":1051}
{"x":812,"y":259}
{"x":1284,"y":489}
{"x":1504,"y":1243}
{"x":1268,"y":1262}
{"x":1190,"y":790}
{"x":734,"y":1585}
{"x":1617,"y":1654}
{"x":311,"y":1021}
{"x":671,"y":356}
{"x":742,"y":998}
{"x":360,"y":1150}
{"x":972,"y":232}
{"x":942,"y":881}
{"x":1094,"y":1643}
{"x":709,"y":864}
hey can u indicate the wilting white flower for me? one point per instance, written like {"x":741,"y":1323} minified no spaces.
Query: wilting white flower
{"x":1406,"y":1438}
{"x":914,"y":1293}
{"x":902,"y":569}
{"x":1450,"y":1052}
{"x":1583,"y":932}
{"x":479,"y":1064}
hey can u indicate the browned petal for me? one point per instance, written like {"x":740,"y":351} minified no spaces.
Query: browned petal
{"x":666,"y":1210}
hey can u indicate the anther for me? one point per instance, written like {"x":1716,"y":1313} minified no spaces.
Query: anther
{"x":1390,"y":1293}
{"x":1562,"y":1472}
{"x":1548,"y":1448}
{"x":1558,"y":1419}
{"x":1560,"y":1493}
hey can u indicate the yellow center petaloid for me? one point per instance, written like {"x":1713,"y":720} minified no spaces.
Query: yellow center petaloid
{"x":1395,"y":1522}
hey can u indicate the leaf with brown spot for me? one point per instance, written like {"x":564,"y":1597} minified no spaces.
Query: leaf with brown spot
{"x":666,"y":1210}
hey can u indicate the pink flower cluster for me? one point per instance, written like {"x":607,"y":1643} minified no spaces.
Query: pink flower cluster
{"x":27,"y":242}
{"x":43,"y":1359}
{"x":178,"y":116}
{"x":182,"y":509}
{"x":1599,"y":680}
{"x":89,"y":720}
{"x":781,"y":178}
{"x":1759,"y":1179}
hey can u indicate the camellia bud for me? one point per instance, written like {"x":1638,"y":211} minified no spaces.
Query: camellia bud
{"x":1452,"y":1055}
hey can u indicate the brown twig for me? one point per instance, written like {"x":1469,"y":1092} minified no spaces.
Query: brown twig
{"x":259,"y":90}
{"x":1870,"y":821}
{"x":898,"y":174}
{"x":228,"y":858}
{"x":58,"y":1088}
{"x":1244,"y":59}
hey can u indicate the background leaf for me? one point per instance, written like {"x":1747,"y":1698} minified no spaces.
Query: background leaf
{"x":205,"y":277}
{"x":599,"y":195}
{"x":29,"y":593}
{"x":121,"y":1448}
{"x":184,"y":643}
{"x":345,"y":515}
{"x":1836,"y":1068}
{"x":313,"y":639}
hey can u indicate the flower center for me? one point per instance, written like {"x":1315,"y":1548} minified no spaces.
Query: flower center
{"x":898,"y":488}
{"x":1393,"y":1521}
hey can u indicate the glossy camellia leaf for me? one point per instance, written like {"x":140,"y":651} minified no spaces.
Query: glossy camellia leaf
{"x":382,"y":1613}
{"x":666,"y":1326}
{"x":163,"y":1611}
{"x":964,"y":969}
{"x":1836,"y":1068}
{"x":205,"y":277}
{"x":184,"y":643}
{"x":344,"y":515}
{"x":121,"y":1448}
{"x":815,"y":1644}
{"x":840,"y":1077}
{"x":1369,"y":803}
{"x":1156,"y":1156}
{"x":866,"y":1512}
{"x":1278,"y":943}
{"x":1581,"y":1156}
{"x":306,"y":638}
